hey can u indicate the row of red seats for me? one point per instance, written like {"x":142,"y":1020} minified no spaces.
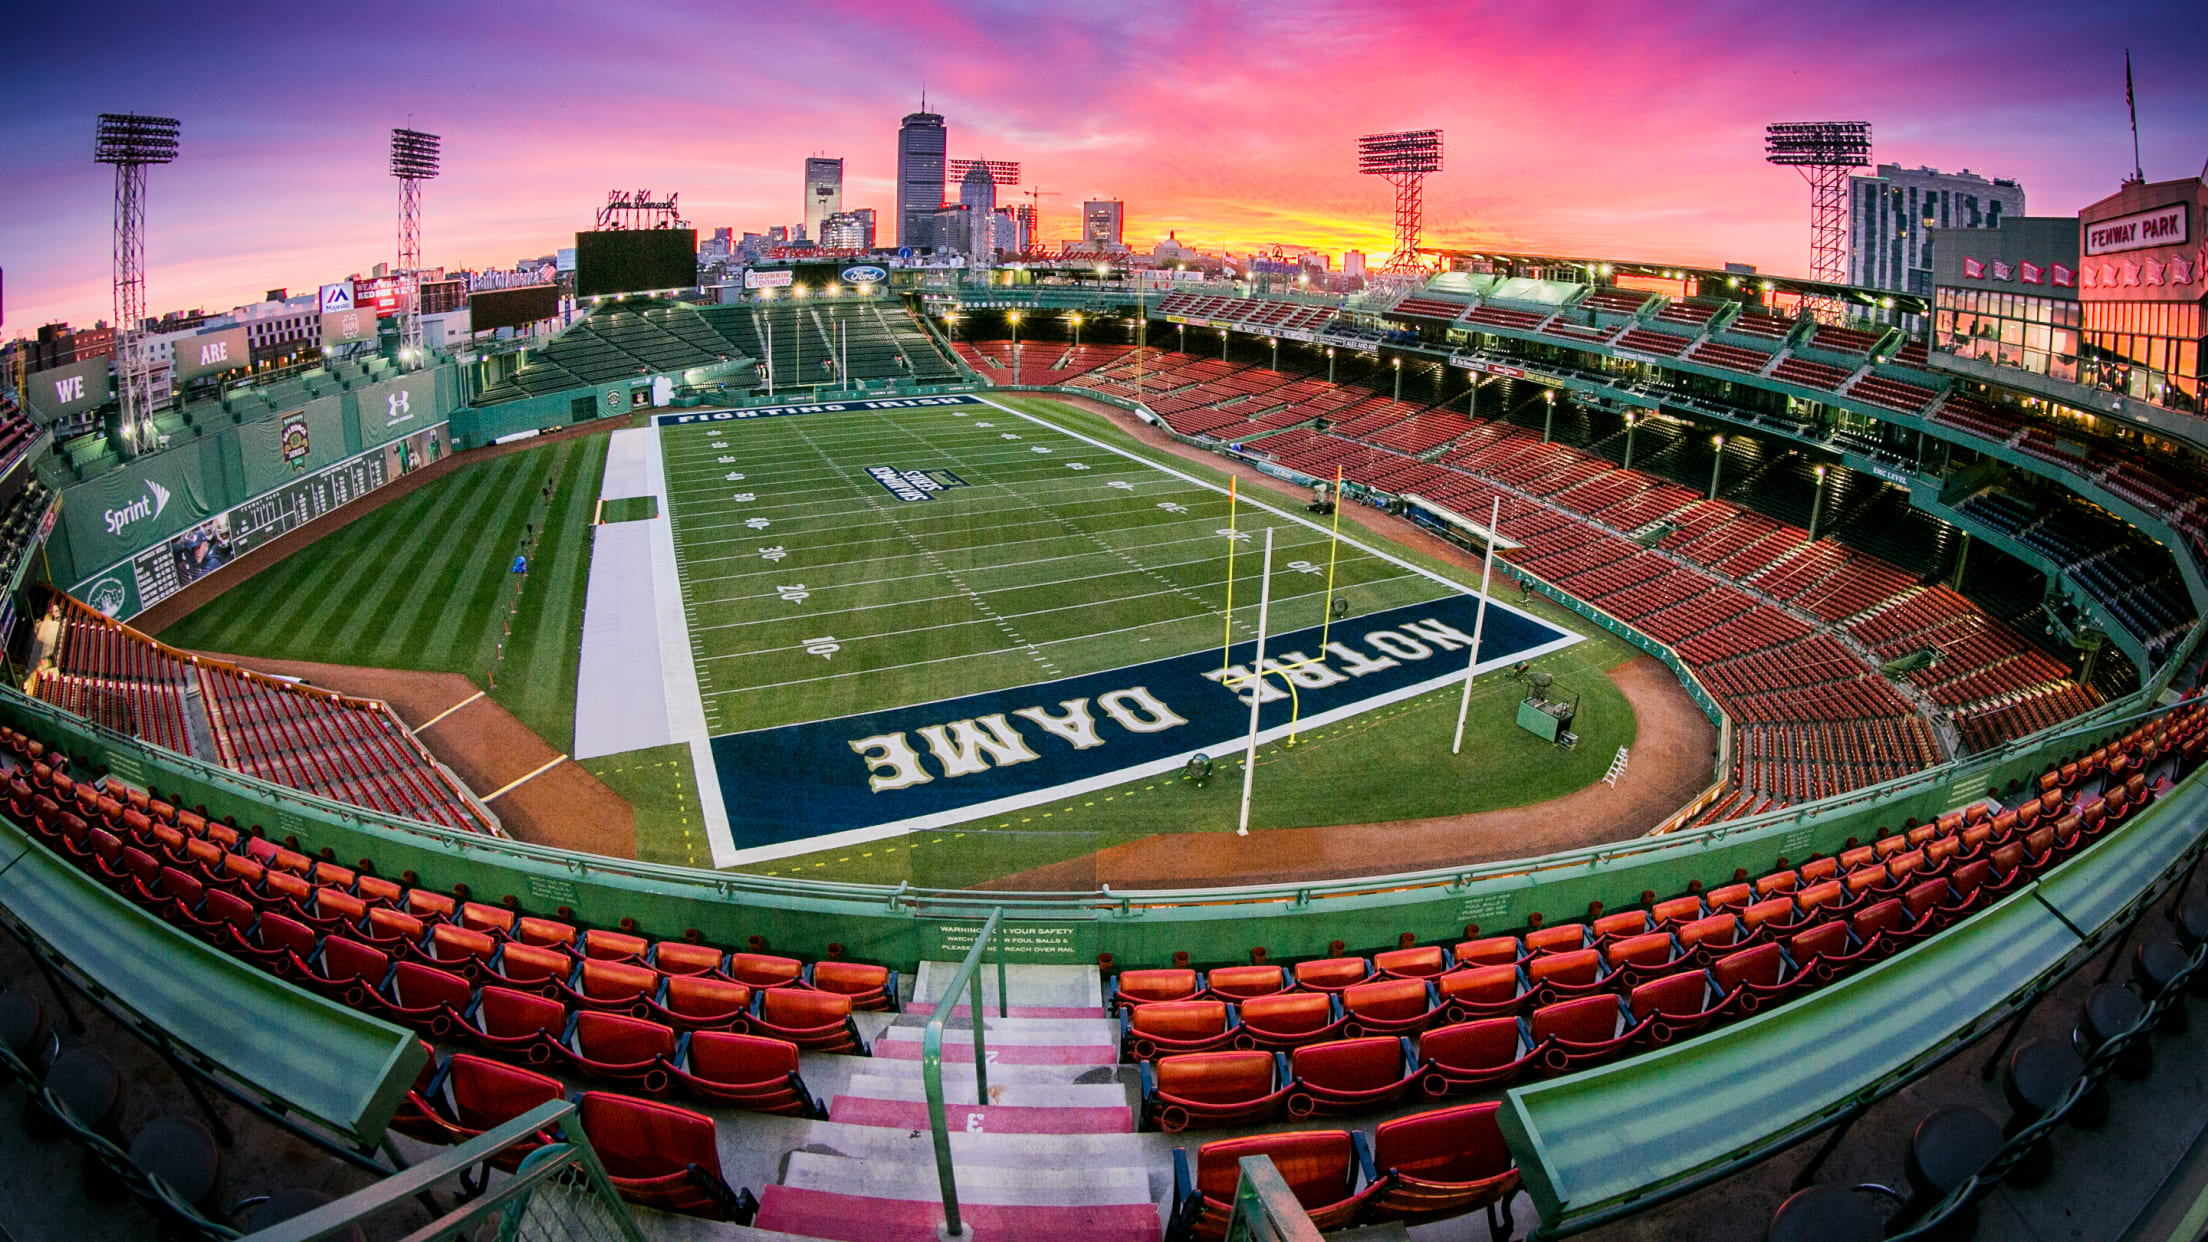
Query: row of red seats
{"x":1990,"y":724}
{"x":1425,"y":1167}
{"x":1731,"y":357}
{"x":1689,"y":314}
{"x":356,"y":754}
{"x":1758,"y":324}
{"x":1893,"y":394}
{"x":1503,"y":317}
{"x":1809,"y":374}
{"x":92,"y":658}
{"x":1648,"y":341}
{"x":1843,"y":340}
{"x":1559,"y":998}
{"x":1616,"y":301}
{"x":1978,"y":417}
{"x":1428,"y":308}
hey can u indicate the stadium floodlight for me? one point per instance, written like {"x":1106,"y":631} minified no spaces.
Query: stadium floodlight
{"x":415,"y":157}
{"x":1403,"y":159}
{"x":1823,"y":152}
{"x":132,"y":143}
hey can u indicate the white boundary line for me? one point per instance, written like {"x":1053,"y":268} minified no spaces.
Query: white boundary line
{"x":717,"y":818}
{"x":677,"y":665}
{"x":447,"y":712}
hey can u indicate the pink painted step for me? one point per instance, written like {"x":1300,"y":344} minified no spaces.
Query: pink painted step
{"x":927,"y":1009}
{"x":857,"y":1218}
{"x":995,"y":1118}
{"x":1006,"y":1054}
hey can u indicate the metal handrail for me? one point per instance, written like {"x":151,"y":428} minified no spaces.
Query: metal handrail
{"x":1265,"y":1209}
{"x":545,"y":1164}
{"x":931,"y":1057}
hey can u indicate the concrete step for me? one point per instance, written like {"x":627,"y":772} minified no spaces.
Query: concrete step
{"x":982,"y":1119}
{"x":1054,"y":987}
{"x":858,"y":1218}
{"x":961,"y":1071}
{"x":1016,"y":1094}
{"x":908,"y":1051}
{"x":875,"y":1178}
{"x":963,"y":1013}
{"x":978,"y":1147}
{"x":1012,"y":1030}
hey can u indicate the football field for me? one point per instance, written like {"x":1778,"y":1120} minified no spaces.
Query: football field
{"x":913,"y":616}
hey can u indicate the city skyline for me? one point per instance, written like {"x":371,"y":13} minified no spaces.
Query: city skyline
{"x":1613,"y":133}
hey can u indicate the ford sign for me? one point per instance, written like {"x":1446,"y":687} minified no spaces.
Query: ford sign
{"x":864,"y":274}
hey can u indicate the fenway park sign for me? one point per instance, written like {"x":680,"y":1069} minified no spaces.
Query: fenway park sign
{"x":2142,"y":230}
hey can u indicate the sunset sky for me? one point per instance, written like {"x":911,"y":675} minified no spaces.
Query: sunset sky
{"x":1602,"y":128}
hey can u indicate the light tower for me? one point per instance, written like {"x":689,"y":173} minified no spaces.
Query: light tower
{"x":414,"y":157}
{"x":1823,"y":152}
{"x":131,"y":143}
{"x":1403,"y":159}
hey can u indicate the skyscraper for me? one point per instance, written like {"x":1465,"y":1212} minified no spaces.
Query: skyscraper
{"x":823,"y":191}
{"x":1102,"y":221}
{"x":977,"y":193}
{"x":921,"y":141}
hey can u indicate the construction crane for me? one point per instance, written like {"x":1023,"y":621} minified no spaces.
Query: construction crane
{"x":1035,"y":216}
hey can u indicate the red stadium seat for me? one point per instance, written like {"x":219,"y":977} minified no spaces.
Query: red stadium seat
{"x":343,"y":970}
{"x":1321,"y":1167}
{"x":1444,"y":1163}
{"x":1419,"y":962}
{"x":1169,"y":1027}
{"x":814,"y":1021}
{"x":762,"y":970}
{"x":1241,"y":983}
{"x":473,"y":1094}
{"x":661,"y":1156}
{"x":1142,"y":987}
{"x":1682,"y":1004}
{"x":615,"y":987}
{"x":749,"y":1071}
{"x":1350,"y":1074}
{"x":1483,"y":992}
{"x":678,"y":957}
{"x":1214,"y":1089}
{"x":612,"y":1045}
{"x":869,"y":987}
{"x":1332,"y":974}
{"x":1582,"y":1032}
{"x":1473,"y":1054}
{"x":1289,"y":1020}
{"x":701,"y":1003}
{"x":1390,"y":1007}
{"x":518,"y":1024}
{"x":422,"y":997}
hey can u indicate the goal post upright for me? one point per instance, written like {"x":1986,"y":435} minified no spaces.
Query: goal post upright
{"x":1257,"y":681}
{"x":1479,"y":622}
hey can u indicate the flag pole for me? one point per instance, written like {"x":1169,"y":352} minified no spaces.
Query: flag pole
{"x":1479,"y":623}
{"x":2131,"y":102}
{"x":1257,"y":680}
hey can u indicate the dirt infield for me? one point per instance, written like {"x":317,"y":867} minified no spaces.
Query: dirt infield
{"x":1670,"y":763}
{"x":564,"y":807}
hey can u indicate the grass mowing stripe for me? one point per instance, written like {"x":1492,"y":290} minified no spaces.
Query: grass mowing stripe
{"x":433,"y":616}
{"x":543,"y":646}
{"x":387,"y":581}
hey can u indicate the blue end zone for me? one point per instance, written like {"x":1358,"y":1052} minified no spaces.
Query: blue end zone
{"x":956,"y":759}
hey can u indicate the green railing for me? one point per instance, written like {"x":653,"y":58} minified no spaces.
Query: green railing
{"x":1265,"y":1209}
{"x":963,"y":980}
{"x":559,"y":1192}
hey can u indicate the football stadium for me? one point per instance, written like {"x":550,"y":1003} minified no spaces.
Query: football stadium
{"x":1530,"y":745}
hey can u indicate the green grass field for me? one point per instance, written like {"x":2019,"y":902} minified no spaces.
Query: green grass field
{"x":1056,"y":563}
{"x":426,"y":582}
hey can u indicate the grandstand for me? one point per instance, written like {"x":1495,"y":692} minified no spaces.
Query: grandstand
{"x":809,"y":342}
{"x":289,"y":734}
{"x":1959,"y":751}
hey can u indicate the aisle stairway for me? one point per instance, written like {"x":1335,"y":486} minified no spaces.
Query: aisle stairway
{"x":1051,"y":1154}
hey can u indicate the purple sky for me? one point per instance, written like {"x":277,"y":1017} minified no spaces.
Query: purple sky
{"x":1601,"y":128}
